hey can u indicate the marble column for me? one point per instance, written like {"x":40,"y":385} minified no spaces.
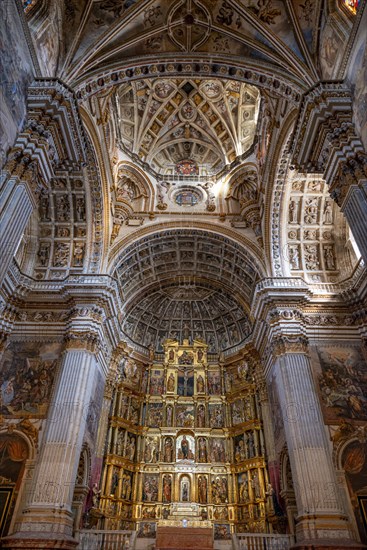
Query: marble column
{"x":47,"y":520}
{"x":321,"y":513}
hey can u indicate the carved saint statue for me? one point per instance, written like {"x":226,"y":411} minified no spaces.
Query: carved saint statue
{"x":200,"y":386}
{"x":202,"y":490}
{"x":171,"y":383}
{"x":185,"y":447}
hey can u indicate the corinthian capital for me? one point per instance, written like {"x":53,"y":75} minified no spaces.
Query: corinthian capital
{"x":290,"y":343}
{"x":82,"y":340}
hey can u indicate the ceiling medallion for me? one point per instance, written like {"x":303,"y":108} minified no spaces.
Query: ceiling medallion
{"x":188,"y":24}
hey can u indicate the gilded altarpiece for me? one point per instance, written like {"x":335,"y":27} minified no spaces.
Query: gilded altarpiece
{"x":186,"y":442}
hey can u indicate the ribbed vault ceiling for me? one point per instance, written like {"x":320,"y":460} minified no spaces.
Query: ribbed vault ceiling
{"x":165,"y":121}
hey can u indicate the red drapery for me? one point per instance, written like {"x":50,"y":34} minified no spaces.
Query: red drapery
{"x":15,"y":447}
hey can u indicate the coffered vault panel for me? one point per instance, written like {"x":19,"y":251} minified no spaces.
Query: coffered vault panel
{"x":167,"y":121}
{"x":190,"y":311}
{"x":186,"y":278}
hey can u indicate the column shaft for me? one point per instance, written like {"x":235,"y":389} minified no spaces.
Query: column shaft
{"x":320,"y":508}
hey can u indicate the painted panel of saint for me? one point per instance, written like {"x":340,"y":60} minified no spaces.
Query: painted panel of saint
{"x":202,"y":450}
{"x":200,"y":415}
{"x":214,"y":383}
{"x":216,"y":416}
{"x":219,"y":489}
{"x":200,"y":383}
{"x":168,"y":450}
{"x":217,"y":450}
{"x":185,"y":416}
{"x":156,"y":382}
{"x":238,"y":415}
{"x":150,"y":488}
{"x":185,"y":446}
{"x":155,"y":415}
{"x":243,"y":490}
{"x":185,"y":493}
{"x":202,"y":489}
{"x":171,"y":383}
{"x":167,"y":488}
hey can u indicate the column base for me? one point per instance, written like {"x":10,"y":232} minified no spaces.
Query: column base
{"x":328,"y":544}
{"x":39,"y":541}
{"x":40,"y":528}
{"x":327,"y":531}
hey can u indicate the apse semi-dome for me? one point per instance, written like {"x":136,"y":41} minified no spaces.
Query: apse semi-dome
{"x":189,"y":311}
{"x":186,"y":279}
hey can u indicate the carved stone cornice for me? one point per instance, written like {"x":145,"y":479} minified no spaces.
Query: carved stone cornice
{"x":350,"y":172}
{"x":326,"y":118}
{"x":53,"y":136}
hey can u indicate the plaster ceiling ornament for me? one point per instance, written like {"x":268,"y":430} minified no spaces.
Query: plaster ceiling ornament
{"x":171,"y":123}
{"x":188,"y":24}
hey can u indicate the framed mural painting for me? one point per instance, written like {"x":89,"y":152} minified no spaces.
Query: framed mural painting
{"x":362,"y":501}
{"x":5,"y":500}
{"x":340,"y":373}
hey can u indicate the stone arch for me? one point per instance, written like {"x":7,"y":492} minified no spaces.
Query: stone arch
{"x":156,"y":274}
{"x":18,"y":450}
{"x":350,"y":456}
{"x":99,"y":199}
{"x":253,"y":250}
{"x":251,"y":73}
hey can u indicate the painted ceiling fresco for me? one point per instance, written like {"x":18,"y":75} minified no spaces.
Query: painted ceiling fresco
{"x":171,"y":121}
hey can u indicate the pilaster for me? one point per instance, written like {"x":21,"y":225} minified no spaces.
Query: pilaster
{"x":322,"y":515}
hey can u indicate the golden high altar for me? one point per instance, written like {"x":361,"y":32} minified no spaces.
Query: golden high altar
{"x":186,"y":443}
